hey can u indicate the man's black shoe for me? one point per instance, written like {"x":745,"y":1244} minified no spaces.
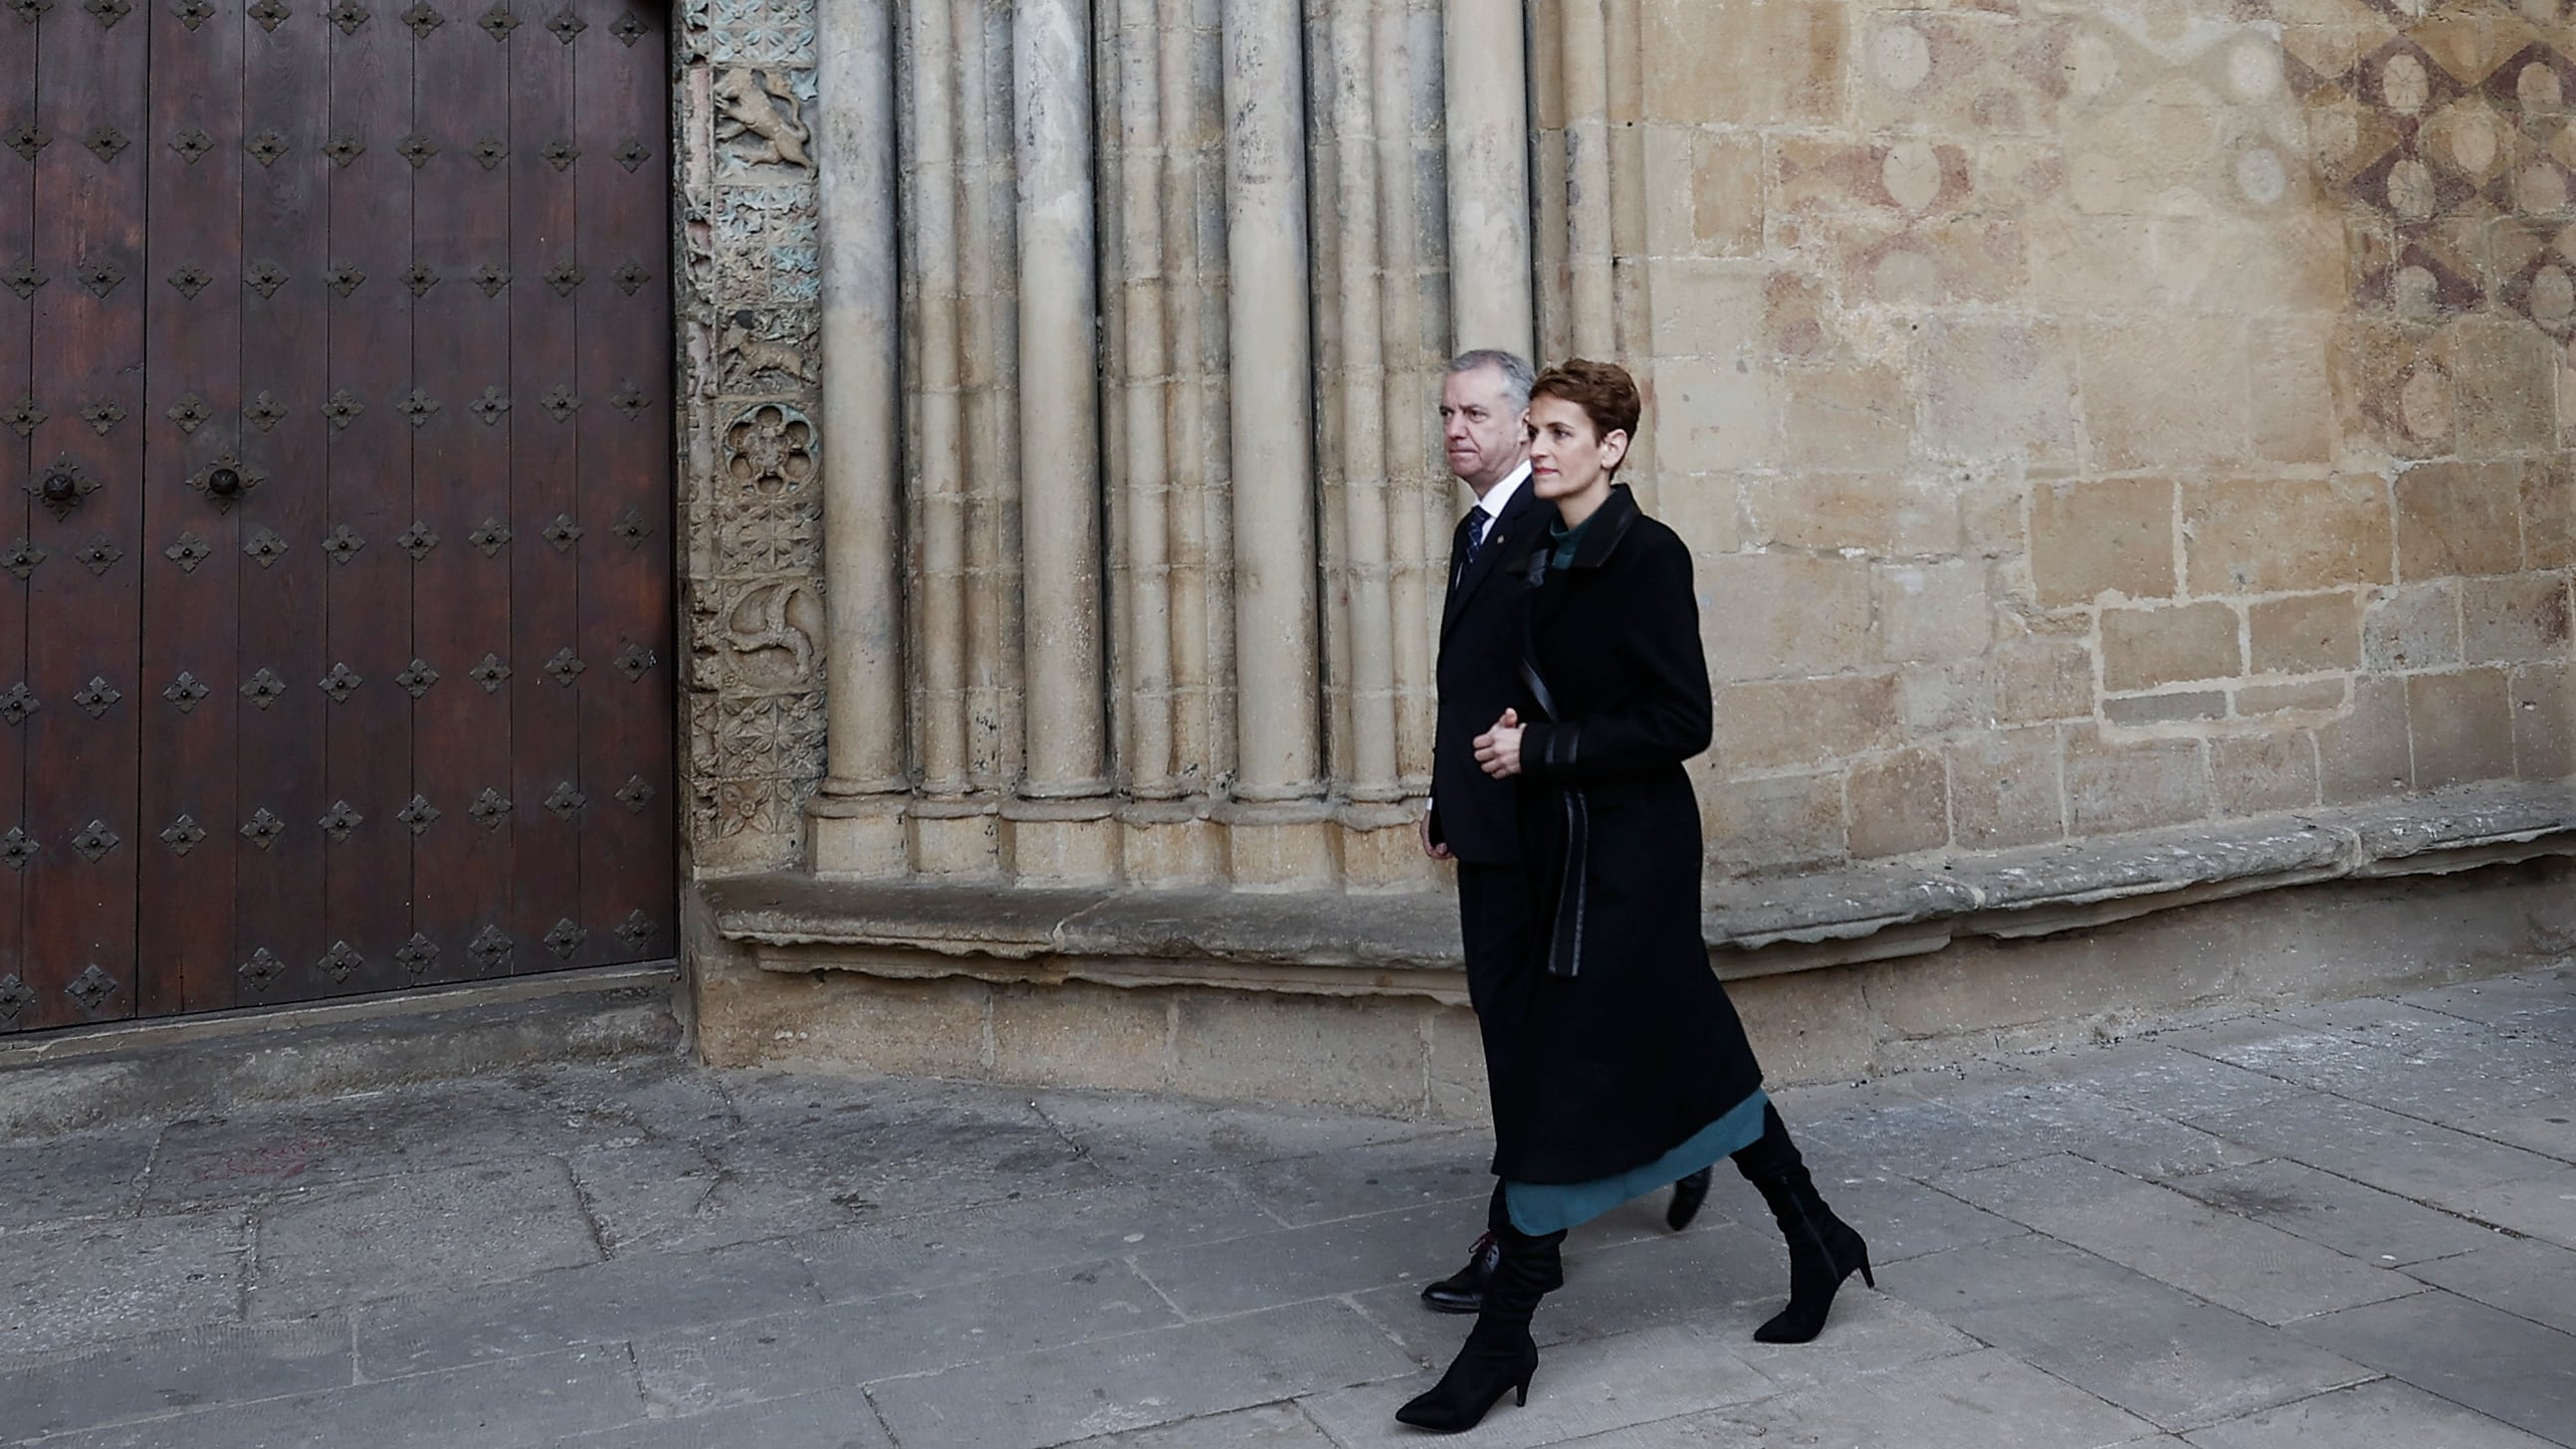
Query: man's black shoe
{"x":1464,"y":1290}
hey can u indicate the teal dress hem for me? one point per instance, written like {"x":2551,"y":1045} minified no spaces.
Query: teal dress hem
{"x":1540,"y":1208}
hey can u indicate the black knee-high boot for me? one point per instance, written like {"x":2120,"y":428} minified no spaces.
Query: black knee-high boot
{"x":1499,"y":1355}
{"x":1823,"y":1249}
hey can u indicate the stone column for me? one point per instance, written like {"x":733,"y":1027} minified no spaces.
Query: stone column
{"x":938,"y":438}
{"x":1584,"y":58}
{"x":856,"y":824}
{"x":1145,"y":375}
{"x":1061,"y":621}
{"x":1358,"y":111}
{"x":1278,"y":755}
{"x":1487,"y":93}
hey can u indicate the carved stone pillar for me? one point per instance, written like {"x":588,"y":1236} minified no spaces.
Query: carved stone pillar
{"x":855,"y":824}
{"x":1487,"y":98}
{"x":1278,"y":760}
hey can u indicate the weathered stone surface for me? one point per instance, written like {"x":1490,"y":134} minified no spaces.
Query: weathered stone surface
{"x":2504,"y":1367}
{"x":2266,"y":535}
{"x":2305,"y":634}
{"x":2088,"y":539}
{"x":2142,"y":648}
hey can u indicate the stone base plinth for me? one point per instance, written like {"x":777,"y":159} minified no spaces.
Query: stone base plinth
{"x":1357,"y":1000}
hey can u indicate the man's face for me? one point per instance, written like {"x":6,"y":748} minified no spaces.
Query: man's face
{"x":1477,"y":427}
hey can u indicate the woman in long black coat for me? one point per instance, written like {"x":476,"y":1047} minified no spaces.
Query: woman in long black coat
{"x":1617,"y":1063}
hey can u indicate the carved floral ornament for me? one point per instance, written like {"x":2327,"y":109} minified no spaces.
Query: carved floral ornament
{"x":771,"y":449}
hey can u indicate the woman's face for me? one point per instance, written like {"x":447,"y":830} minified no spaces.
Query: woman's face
{"x":1568,"y":460}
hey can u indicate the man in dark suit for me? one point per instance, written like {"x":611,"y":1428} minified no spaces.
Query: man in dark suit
{"x":1472,"y":818}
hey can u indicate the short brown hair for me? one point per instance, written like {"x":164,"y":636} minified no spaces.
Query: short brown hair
{"x":1604,"y":390}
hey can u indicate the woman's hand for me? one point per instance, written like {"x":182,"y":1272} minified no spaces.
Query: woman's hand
{"x":1498,"y":750}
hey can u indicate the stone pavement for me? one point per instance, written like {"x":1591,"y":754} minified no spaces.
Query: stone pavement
{"x":2350,"y":1226}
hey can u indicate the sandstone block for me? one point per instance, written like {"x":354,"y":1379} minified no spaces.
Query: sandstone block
{"x":2166,"y":393}
{"x":1704,"y":508}
{"x":1769,"y":615}
{"x":853,"y":1023}
{"x":1932,"y":611}
{"x":2290,"y":407}
{"x":2305,"y":634}
{"x":1847,"y":419}
{"x":1459,"y":1090}
{"x":1365,"y":1055}
{"x":1705,"y":308}
{"x":2090,"y":539}
{"x":2171,"y":707}
{"x":2506,"y":373}
{"x":1711,"y":416}
{"x":2038,"y":679}
{"x":2307,"y":694}
{"x":2392,"y":392}
{"x":1944,"y":699}
{"x":1936,"y":263}
{"x":1996,"y":389}
{"x":1781,"y":723}
{"x":2270,"y":535}
{"x":2142,"y":648}
{"x":2544,"y":721}
{"x":2249,"y":774}
{"x":2139,"y":150}
{"x":1797,"y":317}
{"x":2462,"y":725}
{"x":2459,"y":518}
{"x":2116,"y":787}
{"x":1898,"y":804}
{"x":1777,"y":823}
{"x":1726,"y":194}
{"x":2549,"y":504}
{"x":1963,"y":75}
{"x":2514,"y":619}
{"x":1745,"y":64}
{"x":1813,"y":1025}
{"x":2415,"y":626}
{"x":1100,"y":1036}
{"x":2004,"y":789}
{"x":1882,"y":515}
{"x":2366,"y":754}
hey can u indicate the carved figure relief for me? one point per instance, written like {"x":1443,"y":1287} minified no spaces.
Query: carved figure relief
{"x":761,"y":117}
{"x":771,"y":631}
{"x":758,"y":354}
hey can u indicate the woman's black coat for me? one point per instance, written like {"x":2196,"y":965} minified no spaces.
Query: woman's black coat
{"x":1616,"y":1044}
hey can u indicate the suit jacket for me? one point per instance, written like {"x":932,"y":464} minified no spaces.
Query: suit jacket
{"x":1479,"y":677}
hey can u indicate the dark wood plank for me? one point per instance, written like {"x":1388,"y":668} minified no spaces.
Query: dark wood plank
{"x":545,"y":718}
{"x":461,"y":595}
{"x":627,"y":864}
{"x":192,"y":424}
{"x":84,"y":613}
{"x":17,"y":356}
{"x":280,"y":626}
{"x":368,"y":853}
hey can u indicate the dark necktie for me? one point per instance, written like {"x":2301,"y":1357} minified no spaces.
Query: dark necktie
{"x":1478,"y":520}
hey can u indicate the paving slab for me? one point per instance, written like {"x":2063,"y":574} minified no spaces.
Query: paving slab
{"x":1974,"y":1401}
{"x":2262,"y":1272}
{"x":2390,"y":1151}
{"x":1376,"y":1177}
{"x":2360,"y":1222}
{"x":1900,"y":1217}
{"x":2386,"y":1414}
{"x":160,"y":1374}
{"x":1138,"y":1137}
{"x":1291,"y":1265}
{"x":82,"y":1175}
{"x":843,"y":1345}
{"x":2543,"y":1207}
{"x":257,"y":1151}
{"x":824,"y":1419}
{"x":1581,"y":1389}
{"x":596,"y":1303}
{"x":1140,"y":1380}
{"x":1017,"y":1234}
{"x":96,"y":1281}
{"x":2506,"y":1368}
{"x":2011,"y":1124}
{"x":422,"y":1232}
{"x":1269,"y":1426}
{"x":2522,"y":1276}
{"x":490,"y":1406}
{"x":2153,"y":1350}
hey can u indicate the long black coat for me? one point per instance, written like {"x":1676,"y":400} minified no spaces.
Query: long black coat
{"x":1618,"y":1044}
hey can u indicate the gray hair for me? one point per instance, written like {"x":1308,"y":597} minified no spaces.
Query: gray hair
{"x":1517,"y":375}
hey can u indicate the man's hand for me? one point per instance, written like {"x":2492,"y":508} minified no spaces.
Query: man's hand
{"x":1498,"y":750}
{"x":1437,"y":850}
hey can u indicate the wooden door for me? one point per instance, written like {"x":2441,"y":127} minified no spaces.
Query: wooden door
{"x":335,"y":611}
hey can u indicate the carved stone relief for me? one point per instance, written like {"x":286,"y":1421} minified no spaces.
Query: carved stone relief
{"x":760,"y":119}
{"x":767,"y":247}
{"x":762,"y":352}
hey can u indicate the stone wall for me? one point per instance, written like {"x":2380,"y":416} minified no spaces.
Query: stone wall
{"x":2089,"y":417}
